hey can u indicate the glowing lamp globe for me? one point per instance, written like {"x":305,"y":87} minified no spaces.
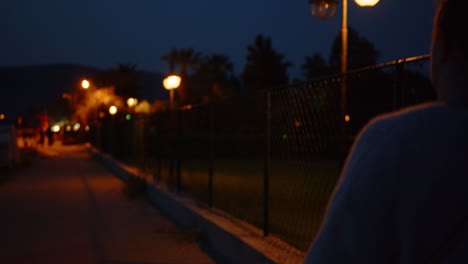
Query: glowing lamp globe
{"x":366,"y":3}
{"x":113,"y":110}
{"x":171,"y":82}
{"x":85,"y":84}
{"x":131,"y":102}
{"x":323,"y":9}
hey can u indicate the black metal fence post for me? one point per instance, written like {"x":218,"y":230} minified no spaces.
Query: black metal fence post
{"x":266,"y":172}
{"x":161,"y":148}
{"x":112,"y":136}
{"x":179,"y":150}
{"x":142,"y":137}
{"x":398,"y":89}
{"x":211,"y":154}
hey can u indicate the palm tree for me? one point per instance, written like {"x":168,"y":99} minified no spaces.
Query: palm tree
{"x":125,"y":78}
{"x":265,"y":67}
{"x":214,"y":78}
{"x":187,"y":58}
{"x":171,"y":58}
{"x":184,"y":58}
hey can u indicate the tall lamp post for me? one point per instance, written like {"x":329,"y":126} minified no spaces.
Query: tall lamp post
{"x":171,"y":83}
{"x":325,"y":9}
{"x":90,"y":88}
{"x":112,"y":111}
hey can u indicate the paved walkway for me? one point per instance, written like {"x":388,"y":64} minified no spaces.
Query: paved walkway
{"x":65,"y":208}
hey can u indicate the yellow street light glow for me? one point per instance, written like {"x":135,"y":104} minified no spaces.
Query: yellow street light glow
{"x":85,"y":84}
{"x":55,"y":128}
{"x":366,"y":3}
{"x":2,"y":116}
{"x":132,"y":102}
{"x":68,"y":128}
{"x":171,"y":82}
{"x":87,"y":128}
{"x":113,"y":110}
{"x":76,"y":127}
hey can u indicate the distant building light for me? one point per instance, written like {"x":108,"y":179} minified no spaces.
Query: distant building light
{"x":2,"y":116}
{"x":87,"y":128}
{"x":76,"y":127}
{"x":347,"y":118}
{"x":68,"y":128}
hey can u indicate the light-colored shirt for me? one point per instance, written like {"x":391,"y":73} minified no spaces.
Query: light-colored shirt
{"x":402,"y":193}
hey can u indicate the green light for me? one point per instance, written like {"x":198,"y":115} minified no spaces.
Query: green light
{"x":128,"y":117}
{"x":285,"y":136}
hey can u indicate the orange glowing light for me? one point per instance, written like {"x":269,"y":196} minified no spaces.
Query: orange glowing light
{"x":2,"y":116}
{"x":347,"y":118}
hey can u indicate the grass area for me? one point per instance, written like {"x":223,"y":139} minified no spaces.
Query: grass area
{"x":299,"y":191}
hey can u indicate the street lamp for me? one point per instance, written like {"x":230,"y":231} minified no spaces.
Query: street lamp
{"x":324,"y":9}
{"x":113,"y":110}
{"x":85,"y":84}
{"x":131,"y":102}
{"x":171,"y":83}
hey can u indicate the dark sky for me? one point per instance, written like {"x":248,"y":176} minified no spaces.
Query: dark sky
{"x":103,"y":33}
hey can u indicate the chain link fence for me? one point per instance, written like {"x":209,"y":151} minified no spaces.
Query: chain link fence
{"x":270,"y":158}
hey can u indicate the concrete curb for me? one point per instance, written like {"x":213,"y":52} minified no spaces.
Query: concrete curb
{"x":229,"y":239}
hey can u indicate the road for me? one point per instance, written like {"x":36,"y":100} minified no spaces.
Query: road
{"x":66,"y":208}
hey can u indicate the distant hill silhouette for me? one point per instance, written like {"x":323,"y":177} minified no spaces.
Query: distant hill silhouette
{"x":29,"y":89}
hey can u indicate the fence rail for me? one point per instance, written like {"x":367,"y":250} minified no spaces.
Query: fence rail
{"x":270,"y":158}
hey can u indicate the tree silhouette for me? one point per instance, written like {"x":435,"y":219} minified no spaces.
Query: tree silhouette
{"x":265,"y":67}
{"x":314,"y":67}
{"x":187,"y":58}
{"x":361,"y":52}
{"x":125,"y":78}
{"x":172,"y":58}
{"x":214,"y":78}
{"x":184,"y":58}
